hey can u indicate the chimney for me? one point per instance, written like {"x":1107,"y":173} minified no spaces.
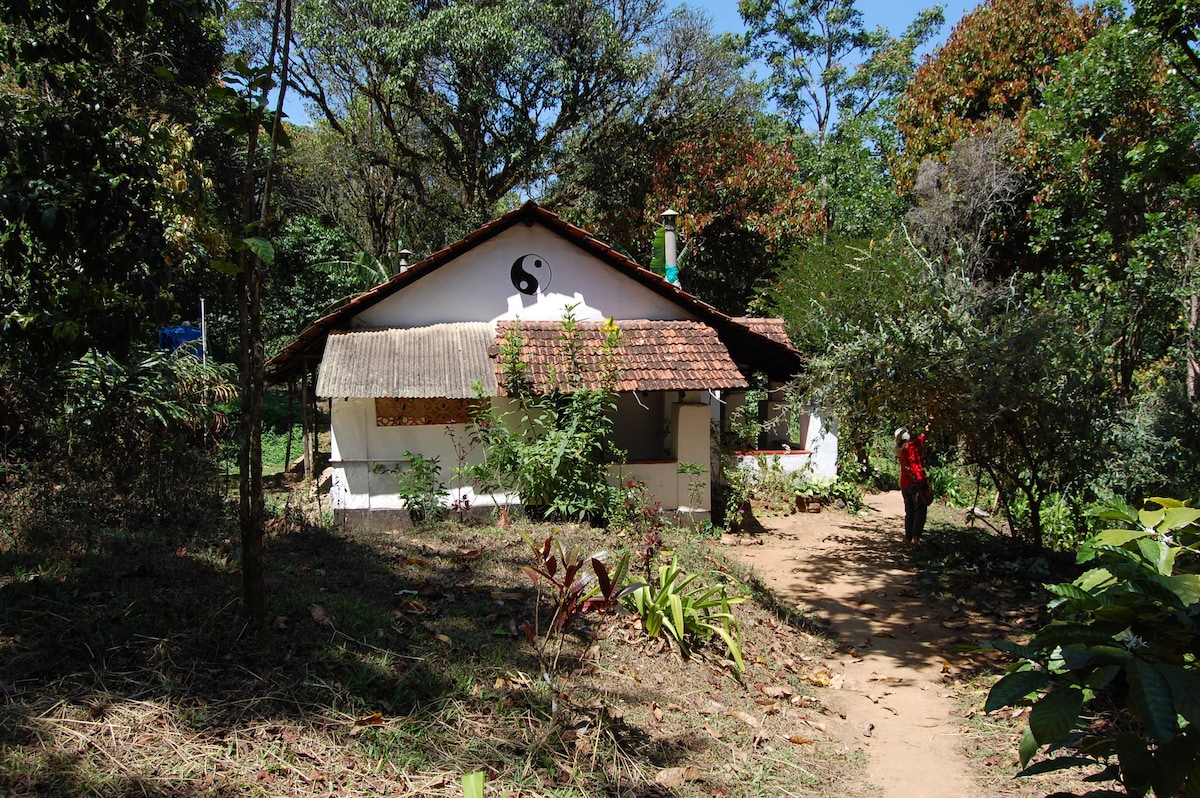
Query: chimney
{"x":669,"y":246}
{"x":404,"y":256}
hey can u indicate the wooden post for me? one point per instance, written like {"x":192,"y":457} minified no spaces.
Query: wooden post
{"x":308,"y":421}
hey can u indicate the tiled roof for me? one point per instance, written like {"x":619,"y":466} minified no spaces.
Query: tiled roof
{"x":649,"y":355}
{"x":775,"y":329}
{"x":441,"y":360}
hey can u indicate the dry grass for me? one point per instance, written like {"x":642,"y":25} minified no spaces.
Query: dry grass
{"x":395,"y":667}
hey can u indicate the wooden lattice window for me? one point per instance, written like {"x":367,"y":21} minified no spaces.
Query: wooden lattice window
{"x":417,"y":412}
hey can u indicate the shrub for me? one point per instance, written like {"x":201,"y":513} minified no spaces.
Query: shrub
{"x":1122,"y":644}
{"x":419,"y":483}
{"x":551,"y":448}
{"x":687,"y":613}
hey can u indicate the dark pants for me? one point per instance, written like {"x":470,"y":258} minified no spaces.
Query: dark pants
{"x":914,"y":513}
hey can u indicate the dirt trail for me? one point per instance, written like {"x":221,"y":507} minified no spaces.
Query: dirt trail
{"x":854,"y":573}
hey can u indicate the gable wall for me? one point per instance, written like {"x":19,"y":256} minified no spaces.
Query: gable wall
{"x":478,"y":286}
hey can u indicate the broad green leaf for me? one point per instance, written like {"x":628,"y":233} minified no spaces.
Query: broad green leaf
{"x":1028,"y":747}
{"x":1008,"y":647}
{"x":261,"y":247}
{"x":1151,"y":518}
{"x":1058,"y":633}
{"x":1185,"y":689}
{"x":1014,"y":687}
{"x":1157,"y":588}
{"x":677,"y":614}
{"x":1119,"y":537}
{"x":226,"y":268}
{"x":1167,"y":504}
{"x":1161,"y":556}
{"x":1055,"y":714}
{"x":1074,"y":593}
{"x":1115,"y":509}
{"x":472,"y":785}
{"x":1137,"y":765}
{"x":1086,"y":657}
{"x":735,"y":648}
{"x":1151,"y":698}
{"x":1096,"y":577}
{"x":1102,"y":676}
{"x":1179,"y":517}
{"x":1186,"y":586}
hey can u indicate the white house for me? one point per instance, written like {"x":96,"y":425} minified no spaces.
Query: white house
{"x":400,"y":362}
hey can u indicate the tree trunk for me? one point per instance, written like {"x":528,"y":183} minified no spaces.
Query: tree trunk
{"x":255,"y":210}
{"x":1192,"y":303}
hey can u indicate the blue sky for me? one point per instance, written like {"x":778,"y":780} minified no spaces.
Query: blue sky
{"x":891,"y":14}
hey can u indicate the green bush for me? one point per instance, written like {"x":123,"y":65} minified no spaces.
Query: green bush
{"x":1114,"y":673}
{"x":419,"y":483}
{"x":551,"y":448}
{"x":686,"y":613}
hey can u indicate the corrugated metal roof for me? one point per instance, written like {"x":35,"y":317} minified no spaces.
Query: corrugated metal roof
{"x":441,"y":360}
{"x":649,"y":356}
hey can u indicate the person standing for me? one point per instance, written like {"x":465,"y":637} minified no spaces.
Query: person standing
{"x":914,"y":482}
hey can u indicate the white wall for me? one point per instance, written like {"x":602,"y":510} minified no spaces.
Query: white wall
{"x":816,"y":437}
{"x":358,"y":447}
{"x":477,"y":286}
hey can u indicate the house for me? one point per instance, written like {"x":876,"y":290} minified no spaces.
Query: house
{"x":402,"y":363}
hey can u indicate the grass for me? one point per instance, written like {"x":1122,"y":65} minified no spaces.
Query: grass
{"x":395,"y":667}
{"x":281,"y":420}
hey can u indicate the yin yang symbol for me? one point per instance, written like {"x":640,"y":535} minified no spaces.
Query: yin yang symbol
{"x":527,"y":281}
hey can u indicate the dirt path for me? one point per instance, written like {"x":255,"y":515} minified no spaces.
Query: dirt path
{"x":854,"y":573}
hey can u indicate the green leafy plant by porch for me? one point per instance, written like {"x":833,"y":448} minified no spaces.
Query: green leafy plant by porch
{"x":551,"y":448}
{"x":419,"y":484}
{"x":1122,"y":645}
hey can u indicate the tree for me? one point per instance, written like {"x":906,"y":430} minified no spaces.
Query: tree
{"x":1177,"y":24}
{"x":692,"y":91}
{"x":829,"y":294}
{"x":842,"y":109}
{"x":992,"y":68}
{"x":1113,"y":156}
{"x":103,"y":224}
{"x":245,"y":95}
{"x":487,"y":91}
{"x":968,"y":206}
{"x":742,"y":203}
{"x":100,"y":194}
{"x":1012,"y":380}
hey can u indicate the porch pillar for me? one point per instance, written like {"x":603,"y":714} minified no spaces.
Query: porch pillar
{"x":692,"y":421}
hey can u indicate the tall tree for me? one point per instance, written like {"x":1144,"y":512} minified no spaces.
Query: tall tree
{"x":99,"y":190}
{"x":692,"y":90}
{"x":246,"y":99}
{"x":992,"y":69}
{"x":1113,"y":154}
{"x":834,"y":80}
{"x":487,"y":91}
{"x":1177,"y":23}
{"x":742,"y":203}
